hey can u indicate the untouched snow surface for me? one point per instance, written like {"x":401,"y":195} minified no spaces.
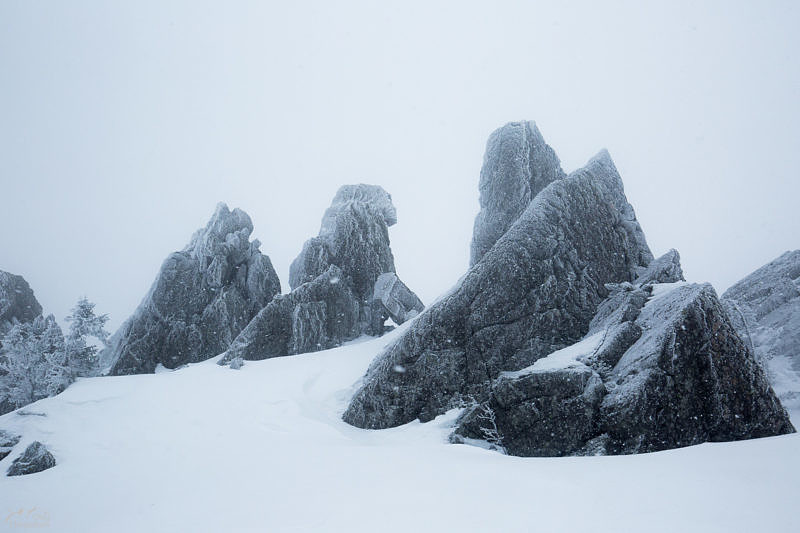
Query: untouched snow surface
{"x":206,"y":448}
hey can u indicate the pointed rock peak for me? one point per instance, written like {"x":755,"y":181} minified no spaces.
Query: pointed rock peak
{"x":202,"y":298}
{"x":665,"y":269}
{"x":354,"y":236}
{"x":602,"y":165}
{"x":517,"y":165}
{"x":225,"y":226}
{"x":225,"y":221}
{"x":373,"y":196}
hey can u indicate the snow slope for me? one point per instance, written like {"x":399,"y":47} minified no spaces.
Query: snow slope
{"x":206,"y":448}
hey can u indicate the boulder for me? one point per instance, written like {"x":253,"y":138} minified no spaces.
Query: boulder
{"x":200,"y":301}
{"x":665,"y":269}
{"x":688,"y":379}
{"x":7,"y":442}
{"x":517,"y":165}
{"x":765,"y":309}
{"x":393,"y":299}
{"x":35,"y":458}
{"x":316,"y":316}
{"x":535,"y":291}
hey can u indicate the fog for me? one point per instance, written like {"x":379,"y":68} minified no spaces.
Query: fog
{"x":123,"y":124}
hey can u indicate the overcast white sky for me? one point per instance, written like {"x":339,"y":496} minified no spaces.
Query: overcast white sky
{"x":122,"y":125}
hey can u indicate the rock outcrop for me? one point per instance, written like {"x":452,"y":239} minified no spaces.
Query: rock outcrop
{"x":203,"y":297}
{"x":7,"y":443}
{"x":393,"y":299}
{"x":517,"y":165}
{"x":354,"y":236}
{"x":765,"y":308}
{"x":17,"y":302}
{"x":566,"y":337}
{"x":343,"y":283}
{"x":35,"y":458}
{"x":680,"y":375}
{"x":317,"y":315}
{"x":535,"y":291}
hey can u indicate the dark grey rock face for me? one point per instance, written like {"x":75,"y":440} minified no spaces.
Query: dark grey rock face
{"x":354,"y":236}
{"x":17,"y":302}
{"x":665,"y":269}
{"x":7,"y":442}
{"x":35,"y":458}
{"x":765,"y":308}
{"x":550,"y":413}
{"x":334,"y":282}
{"x":517,"y":165}
{"x":202,"y":298}
{"x":659,"y":364}
{"x":393,"y":299}
{"x":535,"y":291}
{"x":688,"y":379}
{"x":316,"y":316}
{"x":678,"y":375}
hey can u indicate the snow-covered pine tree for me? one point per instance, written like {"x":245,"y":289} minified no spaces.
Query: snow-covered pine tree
{"x":34,"y":362}
{"x":84,"y":325}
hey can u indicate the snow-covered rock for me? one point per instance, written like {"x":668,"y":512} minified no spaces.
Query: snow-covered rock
{"x":517,"y":165}
{"x":201,"y":299}
{"x":17,"y":302}
{"x":7,"y":442}
{"x":673,"y":374}
{"x":393,"y":299}
{"x":35,"y":458}
{"x":568,"y":338}
{"x":665,"y":269}
{"x":354,"y":236}
{"x":765,"y":307}
{"x":318,"y":315}
{"x":334,"y":282}
{"x":688,"y":379}
{"x":535,"y":291}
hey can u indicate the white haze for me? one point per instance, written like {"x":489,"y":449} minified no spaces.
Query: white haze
{"x":123,"y":124}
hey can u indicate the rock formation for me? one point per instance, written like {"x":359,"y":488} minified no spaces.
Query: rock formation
{"x":564,"y":336}
{"x":336,"y":294}
{"x":535,"y":291}
{"x":317,"y":315}
{"x":35,"y":458}
{"x":517,"y":165}
{"x":675,"y":375}
{"x":17,"y":302}
{"x":765,"y":308}
{"x":200,"y":301}
{"x":354,"y":236}
{"x":393,"y":299}
{"x":7,"y":443}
